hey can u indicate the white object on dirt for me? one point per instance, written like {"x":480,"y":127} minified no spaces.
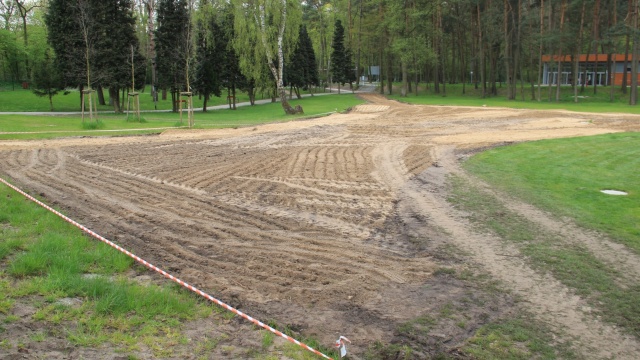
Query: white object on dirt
{"x":614,"y":192}
{"x":341,"y":343}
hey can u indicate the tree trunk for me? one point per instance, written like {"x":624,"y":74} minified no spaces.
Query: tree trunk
{"x":442,"y":51}
{"x":633,"y":97}
{"x":405,"y":79}
{"x":114,"y":94}
{"x":540,"y":50}
{"x":150,"y":5}
{"x":277,"y":71}
{"x":576,"y":60}
{"x":596,"y":17}
{"x":380,"y":72}
{"x":436,"y":63}
{"x":482,"y":69}
{"x":204,"y":102}
{"x":252,"y":95}
{"x":493,"y":64}
{"x":560,"y":54}
{"x":174,"y":100}
{"x":507,"y":48}
{"x":50,"y":101}
{"x":359,"y":48}
{"x":233,"y":95}
{"x":625,"y":72}
{"x":389,"y":74}
{"x":101,"y":96}
{"x":81,"y":88}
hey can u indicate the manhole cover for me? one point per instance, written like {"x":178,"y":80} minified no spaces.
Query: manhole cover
{"x":613,"y":192}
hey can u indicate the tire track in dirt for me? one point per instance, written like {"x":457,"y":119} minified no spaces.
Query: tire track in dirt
{"x":295,"y":221}
{"x":549,"y":299}
{"x":615,"y":255}
{"x":163,"y":221}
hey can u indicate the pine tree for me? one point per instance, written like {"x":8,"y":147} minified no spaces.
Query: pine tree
{"x":210,"y":59}
{"x":340,"y":58}
{"x":172,"y":46}
{"x":46,"y":79}
{"x":114,"y":50}
{"x":231,"y":74}
{"x":93,"y":41}
{"x":294,"y":68}
{"x":64,"y":36}
{"x":301,"y":69}
{"x":311,"y":68}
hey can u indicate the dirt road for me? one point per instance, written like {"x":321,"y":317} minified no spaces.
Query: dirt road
{"x":314,"y":223}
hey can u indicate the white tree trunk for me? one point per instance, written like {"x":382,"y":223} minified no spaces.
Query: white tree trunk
{"x":276,"y":71}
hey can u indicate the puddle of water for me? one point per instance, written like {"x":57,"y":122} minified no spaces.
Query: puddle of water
{"x":613,"y":192}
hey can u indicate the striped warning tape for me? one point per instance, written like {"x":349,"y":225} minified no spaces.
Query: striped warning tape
{"x":164,"y":273}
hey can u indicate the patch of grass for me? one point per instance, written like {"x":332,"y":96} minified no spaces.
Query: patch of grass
{"x":53,"y":262}
{"x":573,"y":265}
{"x":588,"y":102}
{"x":444,"y":271}
{"x":64,"y":256}
{"x":565,"y":176}
{"x":203,"y":347}
{"x":93,"y":125}
{"x":10,"y":319}
{"x":515,"y":339}
{"x":15,"y":100}
{"x":6,"y":305}
{"x":44,"y":127}
{"x":267,"y":339}
{"x":9,"y":246}
{"x":39,"y":336}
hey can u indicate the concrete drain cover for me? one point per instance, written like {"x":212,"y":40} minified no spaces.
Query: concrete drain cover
{"x":613,"y":192}
{"x":370,"y":108}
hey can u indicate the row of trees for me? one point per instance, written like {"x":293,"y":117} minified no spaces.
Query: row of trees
{"x":258,"y":45}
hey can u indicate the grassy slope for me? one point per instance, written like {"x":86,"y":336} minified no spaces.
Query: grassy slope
{"x":24,"y":100}
{"x":565,"y":176}
{"x":58,"y":126}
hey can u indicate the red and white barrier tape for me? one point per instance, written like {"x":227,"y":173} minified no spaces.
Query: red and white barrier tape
{"x":164,"y":273}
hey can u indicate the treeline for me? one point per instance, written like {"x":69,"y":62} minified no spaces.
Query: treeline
{"x":214,"y":47}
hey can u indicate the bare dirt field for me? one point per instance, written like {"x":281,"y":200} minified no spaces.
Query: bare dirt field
{"x":331,"y":226}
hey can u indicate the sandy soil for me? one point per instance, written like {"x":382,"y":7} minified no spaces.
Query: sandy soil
{"x":314,"y":223}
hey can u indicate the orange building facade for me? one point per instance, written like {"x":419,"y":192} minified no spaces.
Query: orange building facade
{"x":598,"y":70}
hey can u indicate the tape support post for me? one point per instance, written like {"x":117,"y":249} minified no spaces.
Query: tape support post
{"x":164,"y":273}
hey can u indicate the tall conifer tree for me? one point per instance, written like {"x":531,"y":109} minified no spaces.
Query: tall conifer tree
{"x":172,"y":46}
{"x":340,"y":58}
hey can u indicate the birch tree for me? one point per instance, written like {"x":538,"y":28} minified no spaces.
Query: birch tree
{"x":275,"y":24}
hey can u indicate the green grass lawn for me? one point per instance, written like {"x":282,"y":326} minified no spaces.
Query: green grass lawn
{"x":24,"y":100}
{"x":565,"y":176}
{"x":60,"y":126}
{"x":588,"y":101}
{"x":43,"y":259}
